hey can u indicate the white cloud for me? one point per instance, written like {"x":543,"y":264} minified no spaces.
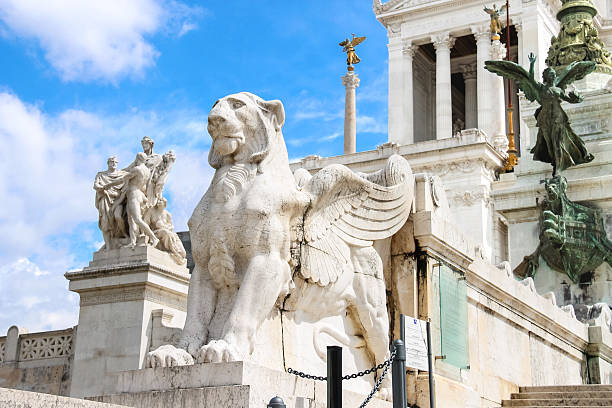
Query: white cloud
{"x":47,"y":217}
{"x":369,"y":124}
{"x":34,"y":299}
{"x":89,"y":40}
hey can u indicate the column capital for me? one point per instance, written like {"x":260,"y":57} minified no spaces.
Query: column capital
{"x":350,"y":80}
{"x":481,"y":32}
{"x":443,"y":41}
{"x":469,"y":70}
{"x":498,"y":50}
{"x":408,"y":48}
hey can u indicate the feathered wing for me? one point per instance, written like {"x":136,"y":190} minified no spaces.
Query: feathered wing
{"x":343,"y":43}
{"x":574,"y":72}
{"x":489,"y":11}
{"x":348,"y":210}
{"x":357,"y":40}
{"x":502,"y":9}
{"x":521,"y":78}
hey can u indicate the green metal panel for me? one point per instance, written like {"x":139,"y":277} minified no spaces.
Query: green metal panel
{"x":453,"y":317}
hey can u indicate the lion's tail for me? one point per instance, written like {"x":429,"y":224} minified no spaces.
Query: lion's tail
{"x":346,"y":340}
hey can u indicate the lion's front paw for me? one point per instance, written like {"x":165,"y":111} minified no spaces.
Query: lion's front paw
{"x":218,"y":351}
{"x":168,"y":356}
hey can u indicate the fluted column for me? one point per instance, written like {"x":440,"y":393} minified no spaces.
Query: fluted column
{"x":408,"y":51}
{"x":350,"y":82}
{"x":483,"y":53}
{"x":498,"y":102}
{"x":444,"y":110}
{"x":396,"y":89}
{"x":471,"y":95}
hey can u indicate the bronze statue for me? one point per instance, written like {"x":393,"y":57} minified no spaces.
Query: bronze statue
{"x":496,"y":24}
{"x":349,"y":48}
{"x":556,"y":143}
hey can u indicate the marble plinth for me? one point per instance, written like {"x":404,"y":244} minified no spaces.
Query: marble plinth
{"x":220,"y":385}
{"x":121,"y":292}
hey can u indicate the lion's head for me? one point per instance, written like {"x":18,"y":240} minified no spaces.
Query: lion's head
{"x":242,"y":127}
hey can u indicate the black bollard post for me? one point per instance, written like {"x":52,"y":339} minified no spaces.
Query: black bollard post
{"x":334,"y":377}
{"x":276,"y":402}
{"x":398,"y":370}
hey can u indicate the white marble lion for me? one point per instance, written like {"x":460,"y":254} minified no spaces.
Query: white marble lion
{"x":256,"y":214}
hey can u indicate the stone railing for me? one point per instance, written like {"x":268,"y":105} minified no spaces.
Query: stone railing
{"x":22,"y":346}
{"x":2,"y":347}
{"x":44,"y":345}
{"x":40,"y":362}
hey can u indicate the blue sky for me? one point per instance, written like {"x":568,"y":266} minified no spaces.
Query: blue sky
{"x":84,"y":80}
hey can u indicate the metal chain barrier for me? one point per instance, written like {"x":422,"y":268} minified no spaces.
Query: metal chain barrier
{"x":382,"y":366}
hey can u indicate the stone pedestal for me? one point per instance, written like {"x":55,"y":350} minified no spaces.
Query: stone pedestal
{"x":220,"y":385}
{"x":119,"y":291}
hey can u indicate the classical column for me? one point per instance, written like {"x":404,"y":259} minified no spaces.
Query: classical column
{"x":396,"y":88}
{"x":408,"y":97}
{"x":444,"y":110}
{"x":498,"y":102}
{"x":483,"y":53}
{"x":471,"y":96}
{"x":350,"y":82}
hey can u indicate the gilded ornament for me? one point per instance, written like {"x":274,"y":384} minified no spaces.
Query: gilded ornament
{"x":496,"y":24}
{"x":348,"y":46}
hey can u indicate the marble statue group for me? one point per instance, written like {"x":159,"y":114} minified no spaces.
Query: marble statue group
{"x":132,"y":209}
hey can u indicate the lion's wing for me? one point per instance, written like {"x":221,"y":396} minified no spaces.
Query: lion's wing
{"x":349,"y":210}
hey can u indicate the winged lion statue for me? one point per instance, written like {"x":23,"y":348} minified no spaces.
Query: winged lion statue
{"x":262,"y":237}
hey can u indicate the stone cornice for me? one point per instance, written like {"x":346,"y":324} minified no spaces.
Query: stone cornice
{"x":470,"y":152}
{"x":124,"y":269}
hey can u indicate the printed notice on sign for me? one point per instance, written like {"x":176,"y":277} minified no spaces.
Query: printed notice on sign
{"x":416,"y":344}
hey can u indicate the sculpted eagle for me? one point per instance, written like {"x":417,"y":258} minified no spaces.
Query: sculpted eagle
{"x":262,"y":236}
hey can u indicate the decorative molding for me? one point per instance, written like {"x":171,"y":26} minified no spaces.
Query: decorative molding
{"x":134,"y":293}
{"x":469,"y":198}
{"x":463,"y":166}
{"x":44,"y":346}
{"x":409,"y":49}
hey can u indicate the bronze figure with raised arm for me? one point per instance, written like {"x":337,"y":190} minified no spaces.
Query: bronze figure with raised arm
{"x":556,"y":142}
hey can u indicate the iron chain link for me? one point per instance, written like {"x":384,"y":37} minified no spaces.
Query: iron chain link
{"x":382,"y":366}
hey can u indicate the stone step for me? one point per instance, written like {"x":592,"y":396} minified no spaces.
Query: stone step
{"x":559,"y":394}
{"x":566,"y":388}
{"x":10,"y":398}
{"x":559,"y":402}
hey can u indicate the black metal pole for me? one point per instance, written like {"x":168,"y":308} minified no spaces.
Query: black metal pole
{"x":398,"y":371}
{"x":432,"y":400}
{"x":276,"y":402}
{"x":334,"y":377}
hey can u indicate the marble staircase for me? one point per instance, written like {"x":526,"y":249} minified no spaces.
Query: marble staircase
{"x":562,"y":396}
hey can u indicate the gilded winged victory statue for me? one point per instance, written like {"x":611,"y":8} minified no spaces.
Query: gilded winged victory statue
{"x":348,"y":46}
{"x":556,"y":142}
